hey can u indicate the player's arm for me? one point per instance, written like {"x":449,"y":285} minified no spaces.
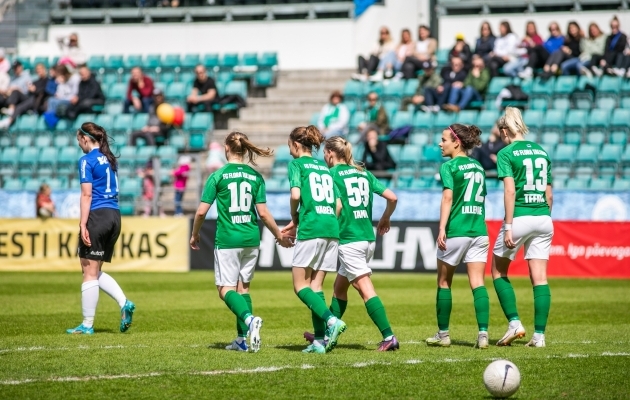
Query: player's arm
{"x":86,"y":203}
{"x":200,"y":217}
{"x":384,"y":223}
{"x":549,"y":196}
{"x":445,"y":213}
{"x":296,"y":195}
{"x":509,"y":199}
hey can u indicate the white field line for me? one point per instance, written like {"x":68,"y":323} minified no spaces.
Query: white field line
{"x":275,"y":369}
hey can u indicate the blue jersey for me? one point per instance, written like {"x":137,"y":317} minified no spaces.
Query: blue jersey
{"x":94,"y":168}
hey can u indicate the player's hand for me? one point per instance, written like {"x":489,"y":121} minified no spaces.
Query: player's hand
{"x":289,"y":230}
{"x":441,"y":240}
{"x":509,"y":243}
{"x":85,"y":236}
{"x":285,"y":241}
{"x":383,"y":226}
{"x":194,"y":242}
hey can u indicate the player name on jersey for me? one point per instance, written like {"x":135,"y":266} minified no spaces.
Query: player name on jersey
{"x":234,"y":175}
{"x":359,"y":214}
{"x":477,"y":210}
{"x":241,"y":219}
{"x":534,"y":198}
{"x":324,"y":210}
{"x":528,"y":152}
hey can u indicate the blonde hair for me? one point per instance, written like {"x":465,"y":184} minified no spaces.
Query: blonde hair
{"x":512,"y":120}
{"x":239,"y":144}
{"x":343,"y":150}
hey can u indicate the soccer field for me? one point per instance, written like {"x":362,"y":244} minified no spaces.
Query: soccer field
{"x":175,"y":346}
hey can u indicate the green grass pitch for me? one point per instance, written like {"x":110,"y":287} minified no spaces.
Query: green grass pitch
{"x":175,"y":346}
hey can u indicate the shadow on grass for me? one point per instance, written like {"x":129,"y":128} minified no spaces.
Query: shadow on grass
{"x":105,"y":330}
{"x":300,"y":347}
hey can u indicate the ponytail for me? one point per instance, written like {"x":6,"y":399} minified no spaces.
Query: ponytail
{"x":97,"y":134}
{"x":343,"y":151}
{"x":239,"y":144}
{"x":307,"y":136}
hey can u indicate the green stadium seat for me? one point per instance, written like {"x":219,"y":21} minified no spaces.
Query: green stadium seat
{"x":598,"y":119}
{"x":354,"y":91}
{"x":564,"y":153}
{"x":600,"y":184}
{"x":564,"y":86}
{"x":117,"y":91}
{"x":60,"y":141}
{"x":57,"y":183}
{"x":171,"y":61}
{"x":176,"y":92}
{"x":376,"y":87}
{"x":572,"y":138}
{"x":12,"y":184}
{"x":621,"y":184}
{"x":144,"y":154}
{"x":83,"y":118}
{"x":352,"y":107}
{"x":152,"y":62}
{"x":114,"y":62}
{"x":609,"y":86}
{"x":467,"y":117}
{"x":32,"y":184}
{"x":611,"y":153}
{"x":26,"y":62}
{"x":560,"y":183}
{"x":210,"y":60}
{"x":357,"y":118}
{"x":131,"y":186}
{"x":391,"y":108}
{"x":122,"y":123}
{"x":167,"y":154}
{"x":618,"y":137}
{"x":409,"y":158}
{"x":543,"y":88}
{"x":228,"y":61}
{"x":133,"y":60}
{"x":422,"y":122}
{"x":190,"y":61}
{"x":554,"y":120}
{"x":96,"y":62}
{"x":587,"y":154}
{"x":167,"y":77}
{"x":401,"y":118}
{"x":487,"y":118}
{"x":533,"y":119}
{"x":202,"y":123}
{"x":538,"y":104}
{"x":596,"y":138}
{"x":432,"y":154}
{"x":577,"y":184}
{"x":187,"y":77}
{"x":27,"y":162}
{"x":584,"y":80}
{"x":105,"y":120}
{"x":107,"y":80}
{"x":67,"y":160}
{"x":620,"y":120}
{"x":394,"y":151}
{"x":24,"y":141}
{"x":237,"y":87}
{"x":403,"y":182}
{"x":47,"y":163}
{"x":42,"y":141}
{"x":249,"y":60}
{"x":550,"y":138}
{"x":561,"y":103}
{"x":268,"y":60}
{"x":26,"y":124}
{"x":41,"y":60}
{"x":394,"y":90}
{"x":607,"y":103}
{"x":64,"y":127}
{"x":411,"y":86}
{"x":441,"y":56}
{"x":263,"y":78}
{"x":419,"y":138}
{"x":496,"y":85}
{"x":139,"y":121}
{"x":443,"y":120}
{"x":8,"y":161}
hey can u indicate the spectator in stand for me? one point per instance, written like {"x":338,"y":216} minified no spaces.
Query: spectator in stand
{"x":376,"y":115}
{"x":90,"y":94}
{"x":44,"y":205}
{"x":34,"y":100}
{"x":505,"y":48}
{"x":475,"y":86}
{"x":334,"y":117}
{"x":531,"y":40}
{"x":570,"y":49}
{"x":369,"y":66}
{"x":485,"y":43}
{"x":486,"y":154}
{"x":154,"y":127}
{"x":72,"y":55}
{"x":393,"y":61}
{"x":203,"y":93}
{"x":623,"y":63}
{"x":181,"y":177}
{"x":453,"y":76}
{"x":376,"y":157}
{"x":4,"y":88}
{"x":139,"y":92}
{"x":615,"y":45}
{"x":216,"y":157}
{"x":538,"y":55}
{"x":428,"y":80}
{"x":589,"y":47}
{"x":461,"y":50}
{"x":426,"y":46}
{"x":5,"y":64}
{"x":67,"y":89}
{"x":21,"y":79}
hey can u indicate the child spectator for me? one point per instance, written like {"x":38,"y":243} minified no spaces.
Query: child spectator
{"x":181,"y":177}
{"x":44,"y":205}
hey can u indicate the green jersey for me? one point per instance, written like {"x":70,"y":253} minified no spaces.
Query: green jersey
{"x":467,"y":179}
{"x":530,"y":166}
{"x":318,"y":217}
{"x":357,"y":190}
{"x":237,"y":188}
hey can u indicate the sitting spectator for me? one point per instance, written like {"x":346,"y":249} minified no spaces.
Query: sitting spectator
{"x":90,"y":94}
{"x":142,"y":86}
{"x":623,"y":63}
{"x":594,"y":44}
{"x":485,"y":43}
{"x":475,"y":86}
{"x":425,"y":81}
{"x":376,"y":157}
{"x":154,"y":127}
{"x":216,"y":157}
{"x":505,"y":49}
{"x":486,"y":154}
{"x":5,"y":64}
{"x":530,"y":41}
{"x":376,"y":115}
{"x":34,"y":100}
{"x":615,"y":45}
{"x":203,"y":92}
{"x":5,"y":79}
{"x":45,"y":207}
{"x":21,"y":79}
{"x":334,"y":117}
{"x":453,"y":76}
{"x":72,"y":55}
{"x":537,"y":56}
{"x":426,"y":47}
{"x":461,"y":50}
{"x":570,"y":49}
{"x":67,"y":89}
{"x":367,"y":67}
{"x":393,"y":60}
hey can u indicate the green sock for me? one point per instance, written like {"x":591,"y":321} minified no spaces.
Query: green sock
{"x":315,"y":303}
{"x":443,"y":306}
{"x":338,"y":307}
{"x":542,"y":303}
{"x":319,"y":325}
{"x":376,"y":311}
{"x":507,"y":298}
{"x":482,"y":307}
{"x":241,"y":327}
{"x":237,"y":304}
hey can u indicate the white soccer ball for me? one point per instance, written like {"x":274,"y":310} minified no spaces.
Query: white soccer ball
{"x":502,"y":378}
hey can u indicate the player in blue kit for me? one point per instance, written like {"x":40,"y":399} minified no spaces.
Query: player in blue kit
{"x":99,"y":226}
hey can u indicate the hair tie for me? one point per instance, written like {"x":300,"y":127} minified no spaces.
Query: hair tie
{"x":454,"y":134}
{"x":88,"y":135}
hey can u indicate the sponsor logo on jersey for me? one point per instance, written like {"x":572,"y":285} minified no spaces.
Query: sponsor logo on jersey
{"x":97,"y":253}
{"x":102,"y":160}
{"x":83,"y":165}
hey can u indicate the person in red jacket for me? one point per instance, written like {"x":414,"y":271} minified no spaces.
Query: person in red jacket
{"x":139,"y":92}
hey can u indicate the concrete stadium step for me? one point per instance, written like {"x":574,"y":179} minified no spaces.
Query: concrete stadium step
{"x":288,"y":102}
{"x":321,"y":94}
{"x":309,"y":85}
{"x":323,"y":74}
{"x":263,"y":127}
{"x":266,"y":114}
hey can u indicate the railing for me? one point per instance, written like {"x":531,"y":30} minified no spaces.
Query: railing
{"x":445,"y":7}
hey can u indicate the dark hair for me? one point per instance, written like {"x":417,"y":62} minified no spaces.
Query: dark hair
{"x":579,"y":34}
{"x":343,"y":150}
{"x":63,"y":70}
{"x":531,"y":23}
{"x":403,"y":32}
{"x":489,"y":29}
{"x":307,"y":136}
{"x":507,"y":27}
{"x":239,"y":144}
{"x":468,"y":135}
{"x":424,"y":27}
{"x":97,"y":133}
{"x":336,"y":93}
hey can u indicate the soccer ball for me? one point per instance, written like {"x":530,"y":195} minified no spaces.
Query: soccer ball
{"x":502,"y":378}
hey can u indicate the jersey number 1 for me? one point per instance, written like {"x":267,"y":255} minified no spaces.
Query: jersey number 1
{"x":108,"y":188}
{"x":541,"y":184}
{"x":241,"y":197}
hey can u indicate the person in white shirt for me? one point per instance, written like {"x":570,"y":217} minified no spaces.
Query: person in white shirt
{"x":393,"y":60}
{"x":5,"y":65}
{"x":67,"y":88}
{"x":425,"y":49}
{"x":505,"y":49}
{"x":369,"y":66}
{"x":72,"y":55}
{"x":334,"y":117}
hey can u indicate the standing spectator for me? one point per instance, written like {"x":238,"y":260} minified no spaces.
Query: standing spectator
{"x":90,"y":94}
{"x":181,"y":177}
{"x":475,"y":86}
{"x":505,"y":48}
{"x":589,"y":47}
{"x":5,"y":64}
{"x":376,"y":115}
{"x":203,"y":92}
{"x":461,"y":50}
{"x":216,"y":157}
{"x":425,"y":81}
{"x":139,"y":92}
{"x":393,"y":61}
{"x":485,"y":43}
{"x":453,"y":76}
{"x":486,"y":154}
{"x":615,"y":46}
{"x":34,"y":100}
{"x":44,"y":204}
{"x":538,"y":55}
{"x":147,"y":174}
{"x":67,"y":89}
{"x":334,"y":117}
{"x":376,"y":157}
{"x":154,"y":127}
{"x":570,"y":49}
{"x":426,"y":46}
{"x":71,"y":53}
{"x":367,"y":67}
{"x":530,"y":41}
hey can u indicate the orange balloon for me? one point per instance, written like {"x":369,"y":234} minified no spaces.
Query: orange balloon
{"x":165,"y":113}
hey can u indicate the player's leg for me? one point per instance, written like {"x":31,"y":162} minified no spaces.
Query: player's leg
{"x":242,"y":330}
{"x":89,"y":296}
{"x":475,"y":260}
{"x":337,"y":305}
{"x":319,"y":325}
{"x":328,"y":263}
{"x":443,"y":303}
{"x":376,"y":311}
{"x":248,"y":260}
